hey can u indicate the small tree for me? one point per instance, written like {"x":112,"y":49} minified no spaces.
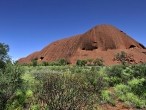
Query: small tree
{"x":10,"y":77}
{"x":121,"y":57}
{"x":98,"y":62}
{"x":3,"y":55}
{"x":34,"y":62}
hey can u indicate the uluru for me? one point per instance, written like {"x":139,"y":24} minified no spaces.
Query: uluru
{"x":102,"y":41}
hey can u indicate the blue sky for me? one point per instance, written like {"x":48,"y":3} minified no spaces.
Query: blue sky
{"x":29,"y":25}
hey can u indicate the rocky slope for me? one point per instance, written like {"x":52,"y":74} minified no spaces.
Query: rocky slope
{"x":102,"y":41}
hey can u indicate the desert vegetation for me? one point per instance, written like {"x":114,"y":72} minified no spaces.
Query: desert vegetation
{"x":57,"y":86}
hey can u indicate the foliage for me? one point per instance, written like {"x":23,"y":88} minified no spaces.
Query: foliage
{"x":10,"y":81}
{"x":98,"y":62}
{"x":3,"y":55}
{"x":45,"y":63}
{"x":76,"y":87}
{"x":107,"y":96}
{"x":63,"y":62}
{"x":81,"y":62}
{"x":58,"y":86}
{"x":65,"y":91}
{"x":115,"y":74}
{"x":2,"y":65}
{"x":3,"y":51}
{"x":121,"y":57}
{"x":97,"y":79}
{"x":138,"y":86}
{"x":133,"y":93}
{"x":34,"y":62}
{"x":90,"y":61}
{"x":139,"y":71}
{"x":60,"y":62}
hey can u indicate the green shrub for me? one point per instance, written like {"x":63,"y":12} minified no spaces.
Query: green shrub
{"x":81,"y":62}
{"x":115,"y":70}
{"x":115,"y":74}
{"x":139,"y":71}
{"x":63,"y":62}
{"x":134,"y":100}
{"x":127,"y":94}
{"x":4,"y":57}
{"x":71,"y":87}
{"x":121,"y":89}
{"x":108,"y":97}
{"x":138,"y":86}
{"x":76,"y":69}
{"x":65,"y":91}
{"x":59,"y":62}
{"x":45,"y":63}
{"x":34,"y":62}
{"x":98,"y":62}
{"x":10,"y":81}
{"x":2,"y":65}
{"x":105,"y":95}
{"x":121,"y":57}
{"x":90,"y":61}
{"x":97,"y":80}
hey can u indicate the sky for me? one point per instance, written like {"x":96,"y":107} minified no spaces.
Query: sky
{"x":30,"y":25}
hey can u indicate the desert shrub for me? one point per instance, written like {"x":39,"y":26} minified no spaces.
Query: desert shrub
{"x":121,"y":57}
{"x":97,"y":79}
{"x":121,"y":89}
{"x":115,"y":74}
{"x":115,"y":70}
{"x":76,"y":69}
{"x":107,"y":97}
{"x":79,"y":69}
{"x":139,"y":71}
{"x":10,"y":81}
{"x":54,"y":63}
{"x":138,"y":86}
{"x":10,"y":76}
{"x":34,"y":62}
{"x":65,"y":91}
{"x":90,"y":62}
{"x":81,"y":62}
{"x":71,"y":87}
{"x":63,"y":62}
{"x":119,"y":74}
{"x":132,"y":94}
{"x":45,"y":63}
{"x":59,"y":62}
{"x":133,"y":100}
{"x":98,"y":62}
{"x":95,"y":68}
{"x":21,"y":100}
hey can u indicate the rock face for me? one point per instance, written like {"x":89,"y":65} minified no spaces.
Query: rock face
{"x":102,"y":41}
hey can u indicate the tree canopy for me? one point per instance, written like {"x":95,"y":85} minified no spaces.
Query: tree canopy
{"x":4,"y":49}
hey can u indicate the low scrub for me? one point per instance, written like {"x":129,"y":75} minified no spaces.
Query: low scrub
{"x":72,"y":87}
{"x":10,"y":81}
{"x":65,"y":91}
